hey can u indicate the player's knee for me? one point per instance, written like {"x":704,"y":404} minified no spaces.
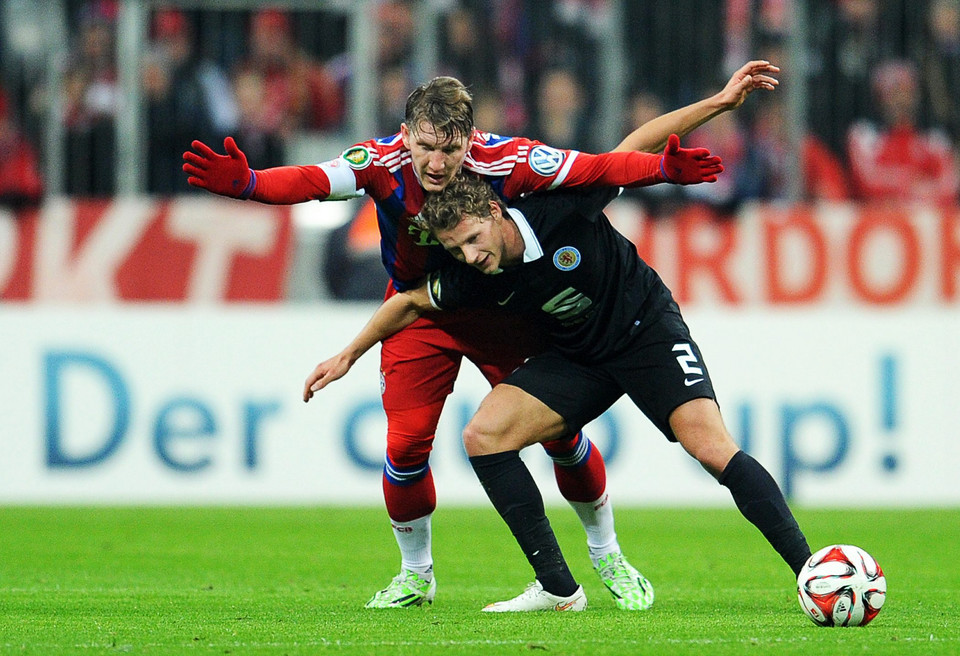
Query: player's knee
{"x":410,"y":434}
{"x":408,"y":455}
{"x":480,"y":439}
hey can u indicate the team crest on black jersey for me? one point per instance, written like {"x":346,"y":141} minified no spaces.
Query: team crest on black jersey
{"x":357,"y":157}
{"x":566,"y":258}
{"x":545,"y":160}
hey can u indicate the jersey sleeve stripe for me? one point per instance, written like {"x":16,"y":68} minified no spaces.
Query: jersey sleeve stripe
{"x":562,"y":175}
{"x":508,"y":159}
{"x":492,"y":173}
{"x":504,"y":165}
{"x":343,"y":181}
{"x":392,"y":168}
{"x":390,"y":158}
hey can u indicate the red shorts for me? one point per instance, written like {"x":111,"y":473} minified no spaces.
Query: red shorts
{"x":419,"y":365}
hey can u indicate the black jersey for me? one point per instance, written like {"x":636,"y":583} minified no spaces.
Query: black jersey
{"x":581,"y":280}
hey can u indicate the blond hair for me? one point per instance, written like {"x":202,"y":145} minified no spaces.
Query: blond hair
{"x":466,"y":195}
{"x":444,"y":103}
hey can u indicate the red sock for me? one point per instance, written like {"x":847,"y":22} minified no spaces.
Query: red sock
{"x":579,"y":468}
{"x":412,"y":500}
{"x":408,"y":488}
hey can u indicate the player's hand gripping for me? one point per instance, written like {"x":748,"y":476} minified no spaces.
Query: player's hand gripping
{"x":757,"y":74}
{"x":227,"y":175}
{"x":688,"y":165}
{"x":325,"y":373}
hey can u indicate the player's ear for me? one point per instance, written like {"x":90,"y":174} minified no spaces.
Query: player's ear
{"x":405,"y":135}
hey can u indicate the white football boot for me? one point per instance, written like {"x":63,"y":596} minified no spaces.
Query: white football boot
{"x":535,"y":599}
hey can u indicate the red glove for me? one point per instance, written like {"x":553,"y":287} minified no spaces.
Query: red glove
{"x":227,"y":175}
{"x":688,"y":165}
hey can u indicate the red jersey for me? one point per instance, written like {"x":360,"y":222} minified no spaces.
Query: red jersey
{"x":902,"y":164}
{"x":383,"y":169}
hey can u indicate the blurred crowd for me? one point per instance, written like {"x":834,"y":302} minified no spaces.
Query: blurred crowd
{"x":882,"y":123}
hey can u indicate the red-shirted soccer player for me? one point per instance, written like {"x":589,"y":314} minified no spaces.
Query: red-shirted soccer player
{"x":419,"y":364}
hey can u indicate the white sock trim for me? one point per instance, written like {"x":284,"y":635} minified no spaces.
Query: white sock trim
{"x":597,"y":519}
{"x":414,"y":539}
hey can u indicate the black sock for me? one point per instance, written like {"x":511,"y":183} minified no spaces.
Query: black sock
{"x":760,"y":500}
{"x":515,"y":495}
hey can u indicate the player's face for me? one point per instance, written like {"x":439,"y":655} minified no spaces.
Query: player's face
{"x":435,"y":159}
{"x":479,"y":242}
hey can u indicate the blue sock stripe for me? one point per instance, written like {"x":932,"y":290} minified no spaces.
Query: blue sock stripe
{"x":575,"y":457}
{"x":405,"y":476}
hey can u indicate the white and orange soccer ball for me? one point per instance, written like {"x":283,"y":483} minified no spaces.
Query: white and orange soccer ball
{"x":841,"y":585}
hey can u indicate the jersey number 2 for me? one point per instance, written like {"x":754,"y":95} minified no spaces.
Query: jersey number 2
{"x":687,"y":360}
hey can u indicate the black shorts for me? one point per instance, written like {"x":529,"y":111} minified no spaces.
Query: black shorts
{"x":662,"y":370}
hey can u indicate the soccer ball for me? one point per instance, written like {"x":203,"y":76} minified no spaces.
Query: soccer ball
{"x":841,"y":585}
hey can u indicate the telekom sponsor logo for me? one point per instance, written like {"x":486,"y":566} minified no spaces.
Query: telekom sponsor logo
{"x":187,"y":250}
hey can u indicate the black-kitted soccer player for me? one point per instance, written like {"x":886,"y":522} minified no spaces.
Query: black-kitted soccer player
{"x":613,"y":328}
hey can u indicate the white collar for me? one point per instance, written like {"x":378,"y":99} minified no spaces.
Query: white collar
{"x":532,"y":250}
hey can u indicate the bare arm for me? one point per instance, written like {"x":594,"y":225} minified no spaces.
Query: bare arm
{"x":395,"y":314}
{"x":652,"y":135}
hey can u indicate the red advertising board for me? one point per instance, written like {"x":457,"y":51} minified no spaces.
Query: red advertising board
{"x":184,"y":250}
{"x":199,"y":249}
{"x":800,"y":255}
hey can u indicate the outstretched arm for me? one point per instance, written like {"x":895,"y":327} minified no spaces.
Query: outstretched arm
{"x":652,"y":135}
{"x":230,"y":175}
{"x":395,"y":314}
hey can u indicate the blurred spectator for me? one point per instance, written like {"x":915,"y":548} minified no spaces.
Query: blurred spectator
{"x":561,"y":70}
{"x":91,"y":100}
{"x":659,"y":199}
{"x":660,"y":38}
{"x":846,"y":47}
{"x":510,"y":26}
{"x":737,"y":26}
{"x":187,"y":98}
{"x":768,"y":166}
{"x":561,"y":119}
{"x":644,"y":106}
{"x":895,"y":159}
{"x":489,"y":112}
{"x":299,"y":93}
{"x":396,"y":31}
{"x":396,"y":71}
{"x":20,"y":180}
{"x":262,"y":141}
{"x":394,"y":89}
{"x":940,"y":55}
{"x":465,"y":52}
{"x":395,"y":63}
{"x":494,"y":111}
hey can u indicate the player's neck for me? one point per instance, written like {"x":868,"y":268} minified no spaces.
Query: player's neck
{"x":513,"y":243}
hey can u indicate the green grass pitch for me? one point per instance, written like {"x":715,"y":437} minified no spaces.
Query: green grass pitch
{"x":294,"y":580}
